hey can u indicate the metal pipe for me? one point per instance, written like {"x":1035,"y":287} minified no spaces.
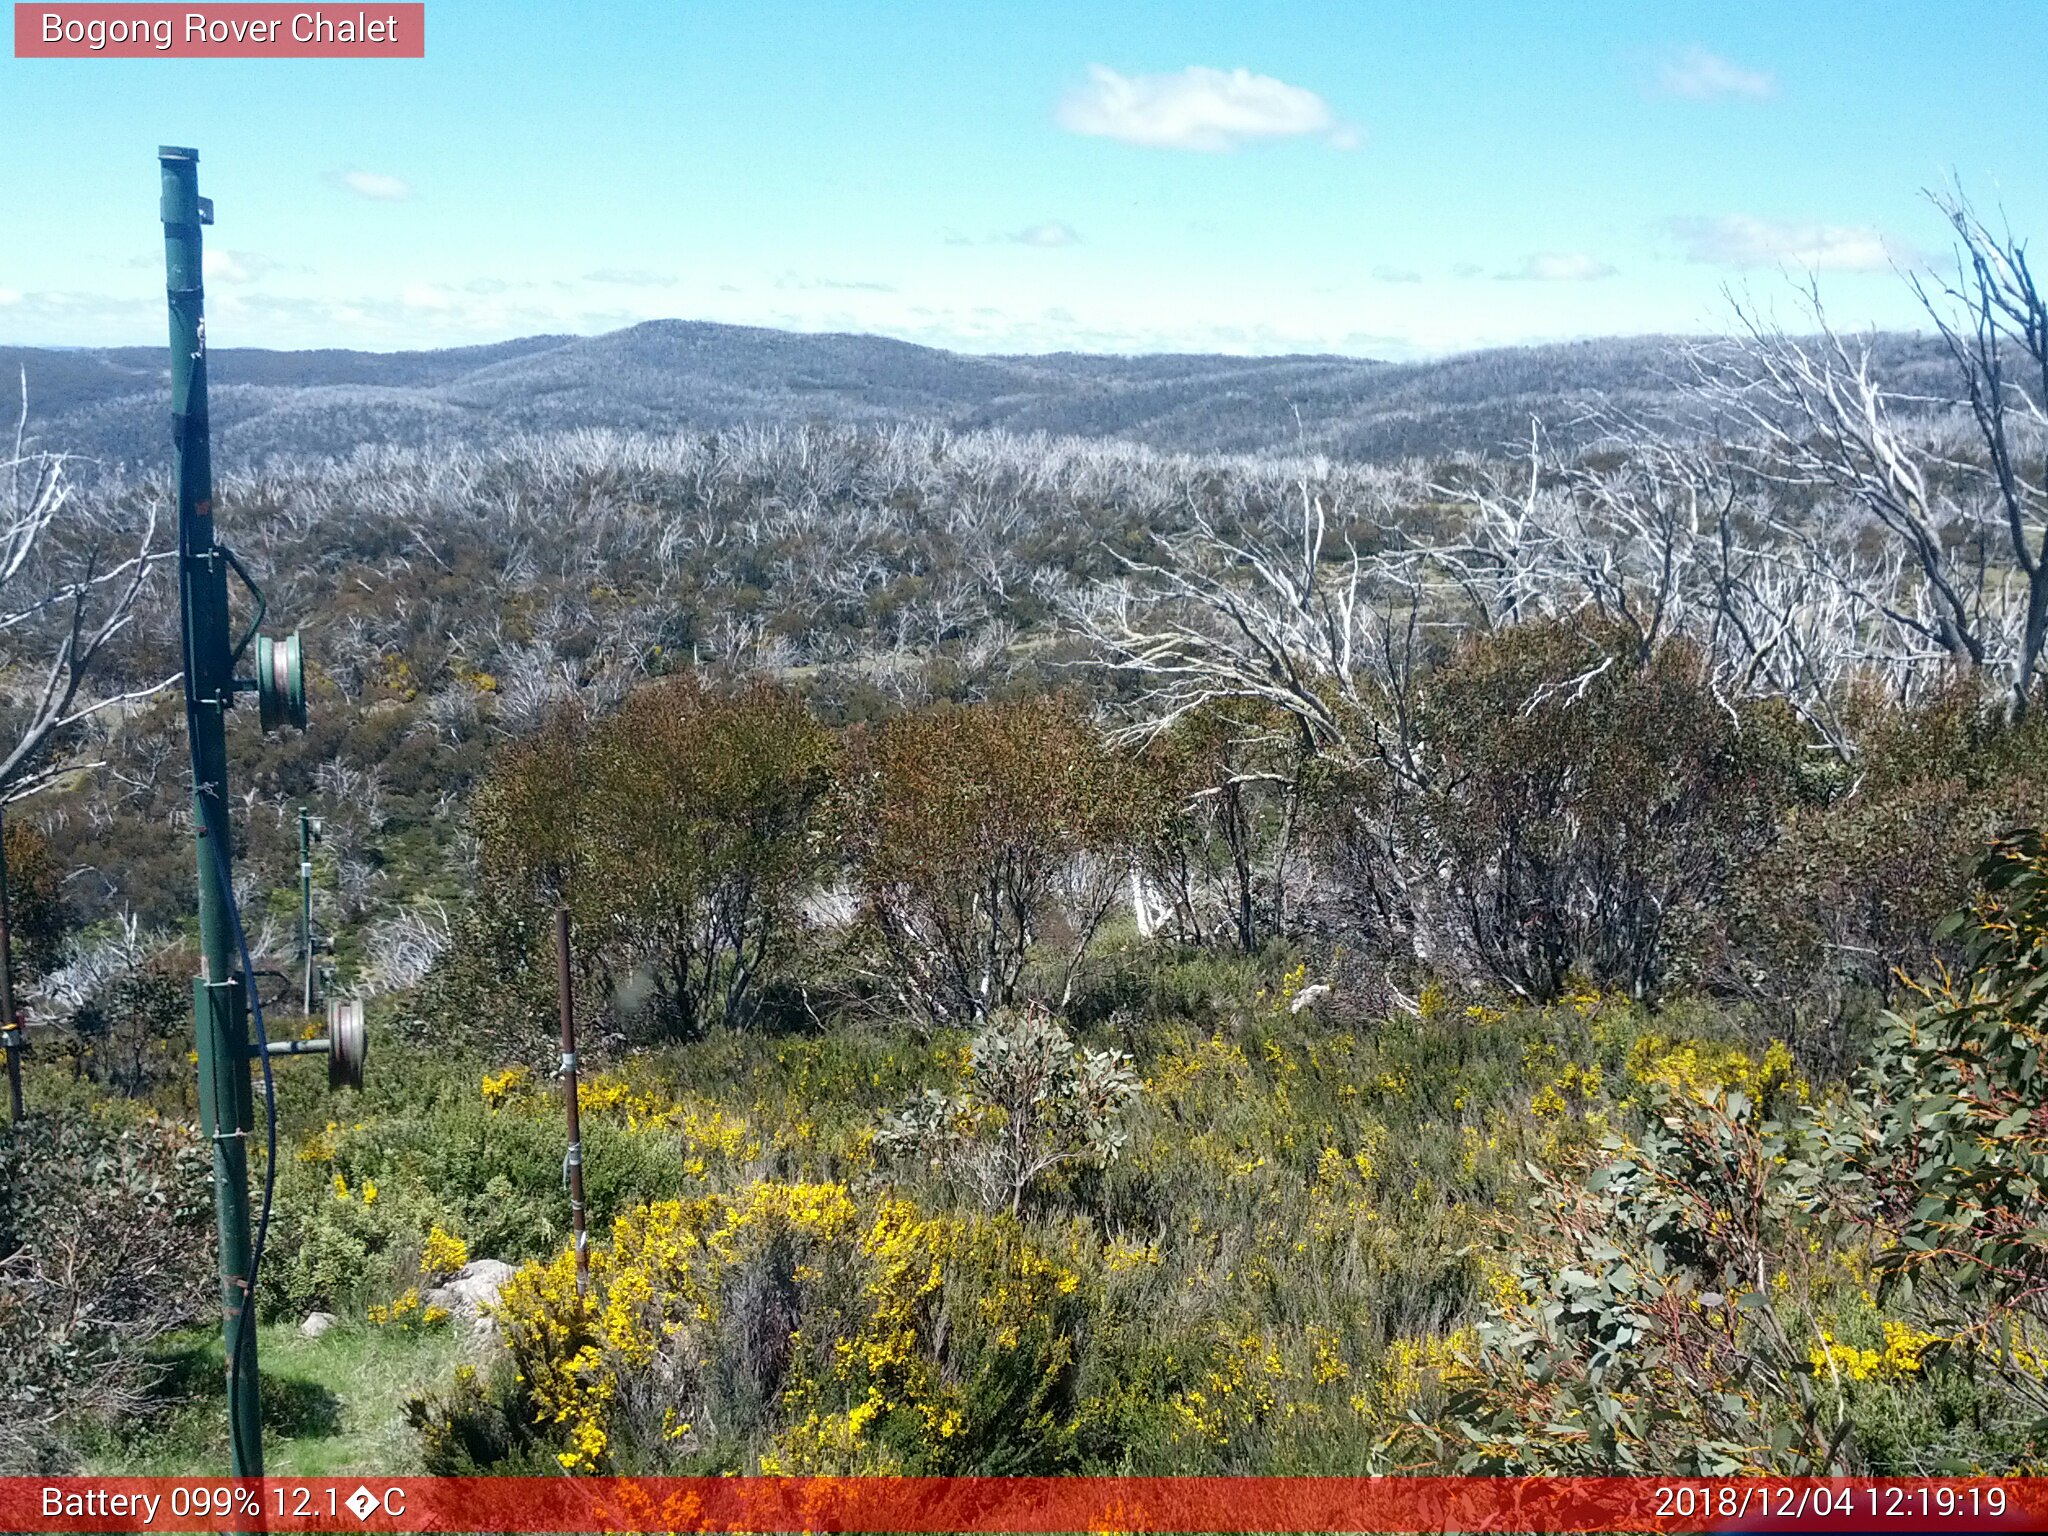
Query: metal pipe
{"x":318,"y":1047}
{"x":306,"y":899}
{"x":220,"y":1010}
{"x":572,"y":1165}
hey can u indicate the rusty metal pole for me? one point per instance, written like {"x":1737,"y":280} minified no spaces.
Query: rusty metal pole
{"x":572,"y":1165}
{"x":10,"y":1026}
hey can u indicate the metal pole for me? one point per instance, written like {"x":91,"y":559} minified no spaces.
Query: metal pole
{"x":572,"y":1165}
{"x":306,"y":898}
{"x":10,"y":1026}
{"x":218,"y":1006}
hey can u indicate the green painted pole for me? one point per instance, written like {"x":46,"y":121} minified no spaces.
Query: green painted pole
{"x":306,"y":899}
{"x":219,"y":1009}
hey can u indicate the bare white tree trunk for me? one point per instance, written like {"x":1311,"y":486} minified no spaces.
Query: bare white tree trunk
{"x":1963,"y":569}
{"x":71,"y":581}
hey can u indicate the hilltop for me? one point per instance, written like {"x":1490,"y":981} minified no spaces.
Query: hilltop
{"x":666,"y":375}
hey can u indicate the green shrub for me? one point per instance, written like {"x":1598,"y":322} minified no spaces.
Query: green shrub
{"x":1952,"y":1099}
{"x":681,"y":830}
{"x":105,"y":1231}
{"x":1032,"y":1103}
{"x":441,"y":1152}
{"x":982,"y":835}
{"x":1215,"y":794}
{"x":1821,"y":926}
{"x":336,"y":1243}
{"x":1589,"y":803}
{"x":1761,"y":1284}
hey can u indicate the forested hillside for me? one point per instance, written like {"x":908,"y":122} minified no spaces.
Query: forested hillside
{"x":672,"y":375}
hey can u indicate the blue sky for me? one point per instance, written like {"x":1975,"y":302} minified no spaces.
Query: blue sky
{"x":1368,"y":178}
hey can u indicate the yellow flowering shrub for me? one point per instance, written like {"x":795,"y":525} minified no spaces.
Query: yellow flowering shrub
{"x":1281,"y":1001}
{"x":1342,"y":1195}
{"x":1122,"y":1256}
{"x":1698,"y":1070}
{"x":861,"y":1334}
{"x":1330,"y":1364}
{"x":320,"y":1146}
{"x":443,"y":1254}
{"x":407,"y":1313}
{"x":500,"y":1088}
{"x":1413,"y":1369}
{"x":1899,"y":1357}
{"x":351,"y":1223}
{"x":1236,"y":1388}
{"x":1571,"y":1091}
{"x":1213,"y":1064}
{"x":366,"y":1190}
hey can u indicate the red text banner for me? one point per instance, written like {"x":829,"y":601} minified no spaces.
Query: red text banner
{"x":117,"y":31}
{"x":1023,"y":1504}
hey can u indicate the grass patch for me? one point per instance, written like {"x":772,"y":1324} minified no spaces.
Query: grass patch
{"x":332,"y":1406}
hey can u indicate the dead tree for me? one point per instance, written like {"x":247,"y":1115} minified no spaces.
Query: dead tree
{"x":1967,"y":572}
{"x":72,"y":579}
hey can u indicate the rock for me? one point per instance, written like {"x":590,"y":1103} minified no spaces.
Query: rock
{"x":474,"y":1287}
{"x":317,"y":1323}
{"x":1308,"y":997}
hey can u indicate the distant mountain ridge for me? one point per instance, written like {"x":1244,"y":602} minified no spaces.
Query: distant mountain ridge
{"x":666,"y":375}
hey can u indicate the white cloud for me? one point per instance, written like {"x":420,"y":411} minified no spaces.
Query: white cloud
{"x":1699,"y":75}
{"x":47,"y":317}
{"x":1200,"y":109}
{"x":428,"y":296}
{"x":226,"y":266}
{"x":1048,"y":235}
{"x":808,"y":283}
{"x":1741,"y":240}
{"x":630,"y":277}
{"x":1559,"y":267}
{"x":376,"y":186}
{"x":1396,"y":275}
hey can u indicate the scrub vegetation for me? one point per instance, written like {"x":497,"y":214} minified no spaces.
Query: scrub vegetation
{"x":1091,"y":958}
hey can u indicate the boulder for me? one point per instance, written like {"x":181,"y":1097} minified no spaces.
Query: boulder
{"x":317,"y":1323}
{"x":473,"y":1288}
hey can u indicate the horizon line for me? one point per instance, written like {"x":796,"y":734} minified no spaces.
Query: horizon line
{"x":1419,"y":356}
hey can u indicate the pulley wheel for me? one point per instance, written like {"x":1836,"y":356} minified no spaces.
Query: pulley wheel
{"x":348,"y":1044}
{"x":281,"y":682}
